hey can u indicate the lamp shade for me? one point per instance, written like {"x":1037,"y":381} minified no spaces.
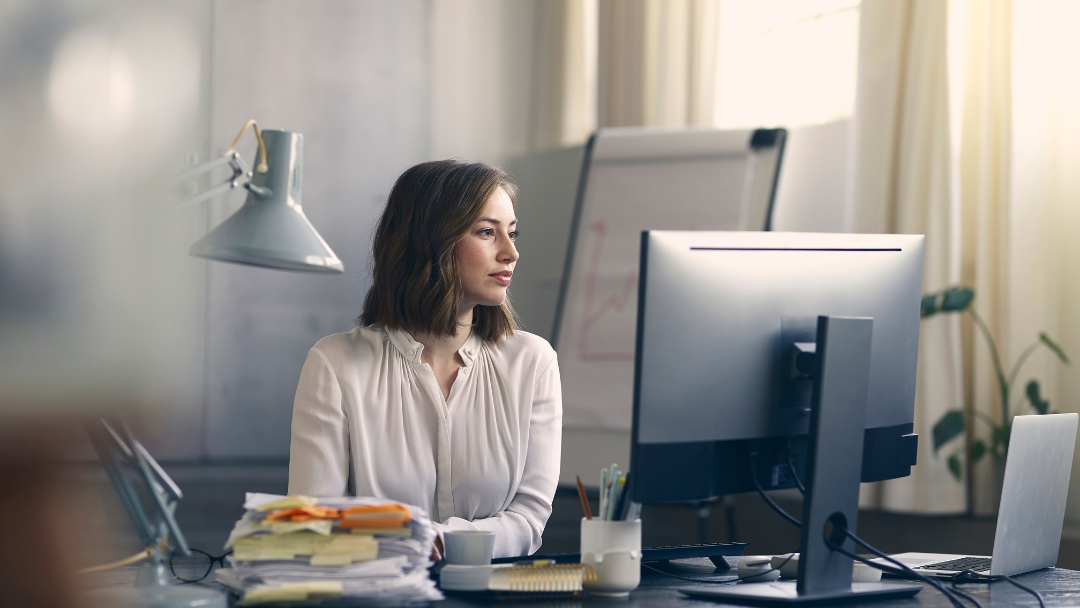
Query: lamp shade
{"x":271,"y":229}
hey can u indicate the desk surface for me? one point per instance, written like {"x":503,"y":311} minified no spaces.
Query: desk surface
{"x":1058,"y":587}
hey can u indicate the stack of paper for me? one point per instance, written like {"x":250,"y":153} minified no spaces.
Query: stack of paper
{"x":298,"y":549}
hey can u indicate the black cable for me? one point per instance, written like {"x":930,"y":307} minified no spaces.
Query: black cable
{"x":794,"y":473}
{"x":1011,"y":581}
{"x":977,"y":576}
{"x":940,"y":587}
{"x":903,"y":567}
{"x":692,"y":580}
{"x":907,"y":569}
{"x":964,"y":594}
{"x":761,"y":491}
{"x":937,"y":585}
{"x":701,"y":580}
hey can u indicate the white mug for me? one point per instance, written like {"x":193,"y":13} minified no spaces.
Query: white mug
{"x":468,"y":547}
{"x":613,"y":549}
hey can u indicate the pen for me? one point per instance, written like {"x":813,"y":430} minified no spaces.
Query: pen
{"x":612,"y":478}
{"x":603,"y":492}
{"x":584,"y":500}
{"x":535,"y":562}
{"x":624,"y":502}
{"x":616,"y":498}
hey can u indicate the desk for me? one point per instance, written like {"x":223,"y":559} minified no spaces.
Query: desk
{"x":1058,"y":587}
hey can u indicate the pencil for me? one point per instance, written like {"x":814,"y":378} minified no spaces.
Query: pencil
{"x":584,"y":499}
{"x":603,"y":493}
{"x":617,"y":492}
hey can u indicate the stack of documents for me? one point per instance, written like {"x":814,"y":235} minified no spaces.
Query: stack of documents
{"x":298,"y":549}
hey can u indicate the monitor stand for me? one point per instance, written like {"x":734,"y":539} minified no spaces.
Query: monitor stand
{"x":834,"y":471}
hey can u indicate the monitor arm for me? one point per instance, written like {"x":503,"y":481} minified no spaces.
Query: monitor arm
{"x":803,"y":364}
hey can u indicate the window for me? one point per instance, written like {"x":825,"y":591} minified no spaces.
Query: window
{"x":786,"y":62}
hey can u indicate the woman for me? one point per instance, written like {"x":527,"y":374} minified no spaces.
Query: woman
{"x":436,"y":399}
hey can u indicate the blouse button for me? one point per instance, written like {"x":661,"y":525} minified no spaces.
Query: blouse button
{"x":410,"y":352}
{"x":465,"y":370}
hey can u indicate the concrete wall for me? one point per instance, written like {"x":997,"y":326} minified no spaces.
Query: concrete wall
{"x":353,"y":77}
{"x":375,"y":87}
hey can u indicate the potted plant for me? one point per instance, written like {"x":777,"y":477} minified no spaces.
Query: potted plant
{"x":958,"y":300}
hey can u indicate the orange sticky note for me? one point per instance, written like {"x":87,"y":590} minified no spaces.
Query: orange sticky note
{"x":304,"y":514}
{"x":375,"y":516}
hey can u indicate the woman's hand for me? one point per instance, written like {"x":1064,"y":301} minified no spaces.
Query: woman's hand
{"x":437,"y":549}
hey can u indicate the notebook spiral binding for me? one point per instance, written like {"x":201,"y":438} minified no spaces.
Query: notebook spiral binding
{"x":555,"y":581}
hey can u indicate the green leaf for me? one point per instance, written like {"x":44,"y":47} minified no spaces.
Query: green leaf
{"x":1000,"y":435}
{"x":1042,"y":406}
{"x":1054,"y":347}
{"x":978,"y":450}
{"x":957,"y":299}
{"x":950,"y":425}
{"x":954,"y":466}
{"x":929,"y":305}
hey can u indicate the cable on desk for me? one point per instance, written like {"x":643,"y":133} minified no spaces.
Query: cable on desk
{"x":686,"y":578}
{"x":765,"y":497}
{"x":900,"y":569}
{"x":971,"y":575}
{"x":741,"y":579}
{"x":145,"y":553}
{"x":904,"y":568}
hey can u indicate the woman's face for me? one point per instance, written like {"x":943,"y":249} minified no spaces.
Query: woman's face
{"x":486,"y":256}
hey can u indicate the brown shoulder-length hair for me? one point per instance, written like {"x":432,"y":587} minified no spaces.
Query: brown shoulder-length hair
{"x":415,"y":284}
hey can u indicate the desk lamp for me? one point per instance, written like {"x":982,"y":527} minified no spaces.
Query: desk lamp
{"x":270,"y":229}
{"x":150,"y":497}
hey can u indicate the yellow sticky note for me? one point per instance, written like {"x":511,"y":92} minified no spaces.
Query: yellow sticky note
{"x":323,"y":527}
{"x":323,"y":589}
{"x":288,"y":502}
{"x":343,"y":550}
{"x":383,"y":531}
{"x":294,"y":592}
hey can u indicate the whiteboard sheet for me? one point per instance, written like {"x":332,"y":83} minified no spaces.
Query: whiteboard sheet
{"x":637,"y":179}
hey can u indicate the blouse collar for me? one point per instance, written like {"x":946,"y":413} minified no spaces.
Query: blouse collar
{"x":411,"y":349}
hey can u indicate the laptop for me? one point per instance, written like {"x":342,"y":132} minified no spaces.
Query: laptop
{"x":1032,"y":507}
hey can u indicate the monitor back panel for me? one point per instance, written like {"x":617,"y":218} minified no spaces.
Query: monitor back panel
{"x":721,"y":310}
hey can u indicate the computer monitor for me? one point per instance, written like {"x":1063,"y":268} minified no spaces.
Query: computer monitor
{"x":715,"y":385}
{"x":763,"y":354}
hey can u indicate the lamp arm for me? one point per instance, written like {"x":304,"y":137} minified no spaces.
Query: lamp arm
{"x":241,"y":177}
{"x":241,"y":174}
{"x":231,"y":157}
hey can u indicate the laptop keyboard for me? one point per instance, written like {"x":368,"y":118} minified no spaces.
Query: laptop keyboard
{"x":975,"y":564}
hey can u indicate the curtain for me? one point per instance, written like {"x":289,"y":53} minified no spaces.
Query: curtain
{"x":611,"y":63}
{"x":563,"y":99}
{"x":984,"y":171}
{"x":1043,"y":291}
{"x":657,"y":62}
{"x":903,"y":184}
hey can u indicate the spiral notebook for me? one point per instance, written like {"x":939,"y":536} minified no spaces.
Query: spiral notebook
{"x":518,"y":581}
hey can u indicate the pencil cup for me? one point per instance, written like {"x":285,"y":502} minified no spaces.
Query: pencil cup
{"x":613,"y":549}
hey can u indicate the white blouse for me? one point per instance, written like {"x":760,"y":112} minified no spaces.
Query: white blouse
{"x":369,"y":419}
